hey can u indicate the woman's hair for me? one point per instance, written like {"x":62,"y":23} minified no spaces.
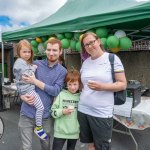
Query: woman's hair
{"x":62,"y":61}
{"x":26,"y":44}
{"x":84,"y":36}
{"x":72,"y":76}
{"x":55,"y":41}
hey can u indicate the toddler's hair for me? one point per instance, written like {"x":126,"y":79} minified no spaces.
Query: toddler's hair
{"x":26,"y":44}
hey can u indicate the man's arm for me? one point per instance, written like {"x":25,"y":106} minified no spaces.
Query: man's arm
{"x":33,"y":80}
{"x":51,"y":90}
{"x":57,"y":87}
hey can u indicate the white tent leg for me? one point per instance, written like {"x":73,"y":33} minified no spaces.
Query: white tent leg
{"x":2,"y":45}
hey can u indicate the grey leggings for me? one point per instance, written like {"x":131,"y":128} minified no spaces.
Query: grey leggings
{"x":39,"y":107}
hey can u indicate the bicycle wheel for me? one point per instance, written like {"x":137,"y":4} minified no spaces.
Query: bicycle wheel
{"x":1,"y":127}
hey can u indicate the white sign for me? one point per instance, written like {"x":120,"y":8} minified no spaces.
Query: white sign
{"x":125,"y":109}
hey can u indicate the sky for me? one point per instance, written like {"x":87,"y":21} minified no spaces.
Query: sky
{"x":15,"y":14}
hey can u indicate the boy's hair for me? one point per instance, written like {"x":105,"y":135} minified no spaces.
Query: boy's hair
{"x":72,"y":76}
{"x":26,"y":44}
{"x":55,"y":41}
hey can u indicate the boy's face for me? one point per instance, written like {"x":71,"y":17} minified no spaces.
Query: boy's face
{"x":53,"y":52}
{"x":73,"y":87}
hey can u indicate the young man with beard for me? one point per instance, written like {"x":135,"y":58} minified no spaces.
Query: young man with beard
{"x":49,"y":81}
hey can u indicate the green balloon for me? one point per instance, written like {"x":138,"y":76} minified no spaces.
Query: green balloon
{"x":34,"y":43}
{"x":102,"y":32}
{"x":69,"y":35}
{"x":104,"y":42}
{"x":60,"y":36}
{"x":53,"y":35}
{"x":44,"y":38}
{"x":35,"y":50}
{"x":73,"y":44}
{"x":65,"y":43}
{"x":91,"y":30}
{"x":77,"y":35}
{"x":45,"y":44}
{"x":125,"y":43}
{"x":78,"y":46}
{"x":110,"y":35}
{"x":112,"y":41}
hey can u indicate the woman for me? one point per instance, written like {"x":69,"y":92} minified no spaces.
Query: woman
{"x":95,"y":110}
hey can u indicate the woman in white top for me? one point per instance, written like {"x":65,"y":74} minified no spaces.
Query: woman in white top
{"x":96,"y":103}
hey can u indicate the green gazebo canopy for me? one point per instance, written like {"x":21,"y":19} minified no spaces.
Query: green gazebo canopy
{"x":76,"y":15}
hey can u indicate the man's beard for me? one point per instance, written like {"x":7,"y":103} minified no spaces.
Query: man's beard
{"x":53,"y":60}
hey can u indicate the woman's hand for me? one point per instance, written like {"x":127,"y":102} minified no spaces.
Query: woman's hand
{"x":28,"y":99}
{"x":95,"y":85}
{"x":29,"y":78}
{"x":119,"y":85}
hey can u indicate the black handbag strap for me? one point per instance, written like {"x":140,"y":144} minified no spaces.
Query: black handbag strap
{"x":111,"y":59}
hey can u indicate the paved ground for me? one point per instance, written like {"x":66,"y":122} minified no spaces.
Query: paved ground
{"x":10,"y":140}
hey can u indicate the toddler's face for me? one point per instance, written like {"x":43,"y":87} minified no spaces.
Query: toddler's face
{"x":73,"y":87}
{"x":25,"y":53}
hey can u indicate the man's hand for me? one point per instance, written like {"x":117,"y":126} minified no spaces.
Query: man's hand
{"x":28,"y":99}
{"x":29,"y":78}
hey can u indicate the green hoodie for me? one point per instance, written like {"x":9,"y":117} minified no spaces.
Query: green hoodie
{"x":65,"y":126}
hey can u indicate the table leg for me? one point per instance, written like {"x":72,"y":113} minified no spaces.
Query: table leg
{"x":136,"y":144}
{"x":128,"y":133}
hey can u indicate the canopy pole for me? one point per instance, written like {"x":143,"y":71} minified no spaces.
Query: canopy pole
{"x":2,"y":57}
{"x":2,"y":73}
{"x":2,"y":62}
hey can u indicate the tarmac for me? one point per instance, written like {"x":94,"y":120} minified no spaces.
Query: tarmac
{"x":11,"y":141}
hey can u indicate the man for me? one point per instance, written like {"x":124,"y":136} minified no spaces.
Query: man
{"x":49,"y":81}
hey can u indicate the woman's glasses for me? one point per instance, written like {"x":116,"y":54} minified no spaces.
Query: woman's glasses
{"x":91,"y":43}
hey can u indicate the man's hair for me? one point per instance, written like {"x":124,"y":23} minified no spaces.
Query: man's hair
{"x":26,"y":44}
{"x":54,"y":41}
{"x":72,"y":76}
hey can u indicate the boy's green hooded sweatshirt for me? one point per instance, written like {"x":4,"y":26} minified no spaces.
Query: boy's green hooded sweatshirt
{"x":66,"y":126}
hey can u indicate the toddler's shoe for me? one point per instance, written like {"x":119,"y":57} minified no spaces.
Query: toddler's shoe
{"x":39,"y":131}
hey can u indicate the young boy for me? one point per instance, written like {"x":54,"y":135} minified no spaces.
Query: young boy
{"x":64,"y":110}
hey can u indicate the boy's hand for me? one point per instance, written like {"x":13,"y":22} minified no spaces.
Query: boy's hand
{"x":67,"y":111}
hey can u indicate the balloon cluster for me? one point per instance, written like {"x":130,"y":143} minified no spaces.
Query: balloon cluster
{"x":71,"y":40}
{"x":68,"y":40}
{"x":115,"y":43}
{"x":39,"y":44}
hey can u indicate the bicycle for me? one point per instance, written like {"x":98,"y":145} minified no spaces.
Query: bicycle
{"x":1,"y":127}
